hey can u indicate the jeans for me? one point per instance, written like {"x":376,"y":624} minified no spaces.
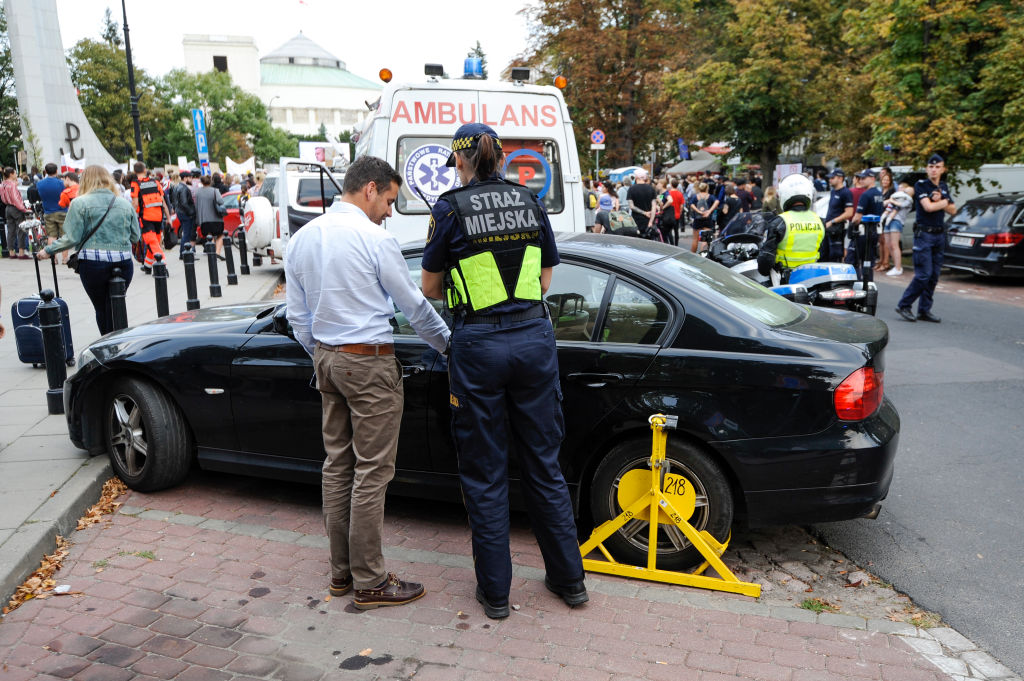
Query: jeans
{"x":16,"y":239}
{"x":96,"y":276}
{"x":187,"y":233}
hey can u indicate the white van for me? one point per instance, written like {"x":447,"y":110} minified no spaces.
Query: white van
{"x":412,"y":125}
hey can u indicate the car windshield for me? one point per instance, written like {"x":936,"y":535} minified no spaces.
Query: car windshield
{"x":718,"y":284}
{"x":984,"y":218}
{"x":231,"y":200}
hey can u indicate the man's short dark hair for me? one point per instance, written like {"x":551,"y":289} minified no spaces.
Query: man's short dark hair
{"x":50,"y":168}
{"x":368,"y":169}
{"x":71,"y":176}
{"x":139,"y":167}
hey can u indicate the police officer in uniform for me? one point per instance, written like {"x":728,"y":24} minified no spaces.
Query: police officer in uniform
{"x":934,"y":202}
{"x":840,"y":210}
{"x":489,"y":255}
{"x":797,"y":235}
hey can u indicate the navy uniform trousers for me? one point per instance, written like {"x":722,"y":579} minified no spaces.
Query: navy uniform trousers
{"x":929,"y":251}
{"x":511,"y":368}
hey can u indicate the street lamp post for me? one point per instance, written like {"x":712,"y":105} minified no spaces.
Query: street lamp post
{"x":270,"y":104}
{"x":131,"y":86}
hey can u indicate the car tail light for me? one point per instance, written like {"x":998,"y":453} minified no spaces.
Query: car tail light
{"x":1002,"y":240}
{"x":860,"y":395}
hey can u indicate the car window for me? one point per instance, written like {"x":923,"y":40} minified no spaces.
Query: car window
{"x":400,"y":325}
{"x":574,"y":299}
{"x":267,"y":190}
{"x":634,"y":316}
{"x":421,"y":162}
{"x":309,"y":193}
{"x":231,"y":200}
{"x":720,"y":286}
{"x":984,"y":218}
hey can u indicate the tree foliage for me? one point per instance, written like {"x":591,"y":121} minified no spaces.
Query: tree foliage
{"x":10,"y":121}
{"x":614,"y":54}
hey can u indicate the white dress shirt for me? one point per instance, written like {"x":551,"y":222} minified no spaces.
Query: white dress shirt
{"x":343,"y":272}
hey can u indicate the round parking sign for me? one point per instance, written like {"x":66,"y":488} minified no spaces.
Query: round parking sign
{"x":597,"y":137}
{"x":425,"y":170}
{"x":539,"y":158}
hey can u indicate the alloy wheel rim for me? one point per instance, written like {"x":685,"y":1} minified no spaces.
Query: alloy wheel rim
{"x":128,"y":437}
{"x":670,"y":538}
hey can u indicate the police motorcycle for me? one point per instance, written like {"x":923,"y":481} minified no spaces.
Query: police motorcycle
{"x":823,"y":284}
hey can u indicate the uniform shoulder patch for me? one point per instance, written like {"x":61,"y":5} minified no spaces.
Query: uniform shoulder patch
{"x":431,"y":226}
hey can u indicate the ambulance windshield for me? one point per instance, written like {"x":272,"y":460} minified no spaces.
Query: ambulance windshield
{"x":421,"y":161}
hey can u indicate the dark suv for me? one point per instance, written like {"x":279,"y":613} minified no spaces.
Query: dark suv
{"x":986,"y":236}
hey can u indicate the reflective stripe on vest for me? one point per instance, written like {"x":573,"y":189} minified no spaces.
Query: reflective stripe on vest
{"x":804,"y":232}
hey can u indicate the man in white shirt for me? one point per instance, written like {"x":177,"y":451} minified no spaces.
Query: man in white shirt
{"x":343,"y":271}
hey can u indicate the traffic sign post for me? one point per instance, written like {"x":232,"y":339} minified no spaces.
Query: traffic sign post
{"x":597,"y":144}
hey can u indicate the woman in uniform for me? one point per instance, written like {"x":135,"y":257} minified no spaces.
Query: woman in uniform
{"x":489,"y":255}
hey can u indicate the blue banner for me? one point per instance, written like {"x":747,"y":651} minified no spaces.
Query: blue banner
{"x":199,"y":127}
{"x":684,"y":151}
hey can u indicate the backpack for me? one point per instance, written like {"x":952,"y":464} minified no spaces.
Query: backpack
{"x":591,"y":200}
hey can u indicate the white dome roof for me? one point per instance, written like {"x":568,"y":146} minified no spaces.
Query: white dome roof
{"x":301,"y":50}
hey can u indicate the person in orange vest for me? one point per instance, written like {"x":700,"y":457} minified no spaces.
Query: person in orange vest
{"x":148,"y":199}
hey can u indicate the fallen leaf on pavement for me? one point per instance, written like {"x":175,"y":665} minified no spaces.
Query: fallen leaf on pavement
{"x":112,"y":489}
{"x":854,"y":584}
{"x":365,"y":652}
{"x":41,"y":581}
{"x":327,"y":598}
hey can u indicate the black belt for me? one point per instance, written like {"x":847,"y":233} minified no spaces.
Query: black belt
{"x":933,"y":230}
{"x":535,"y":312}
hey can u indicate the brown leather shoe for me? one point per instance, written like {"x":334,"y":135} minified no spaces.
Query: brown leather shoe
{"x":340,"y":587}
{"x":392,"y":592}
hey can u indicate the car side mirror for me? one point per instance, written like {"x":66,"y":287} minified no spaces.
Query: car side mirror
{"x":281,"y":324}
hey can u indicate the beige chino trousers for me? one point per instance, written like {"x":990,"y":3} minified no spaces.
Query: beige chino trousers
{"x":362,"y":399}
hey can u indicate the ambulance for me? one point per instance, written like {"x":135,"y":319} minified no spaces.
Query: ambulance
{"x":411,"y":127}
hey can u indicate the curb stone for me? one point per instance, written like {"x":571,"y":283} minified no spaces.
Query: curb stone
{"x":950,"y":652}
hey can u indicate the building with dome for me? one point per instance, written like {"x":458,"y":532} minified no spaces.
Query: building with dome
{"x":302,"y":84}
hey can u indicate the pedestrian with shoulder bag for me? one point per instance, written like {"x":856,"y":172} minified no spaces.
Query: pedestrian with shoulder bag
{"x":104,"y":226}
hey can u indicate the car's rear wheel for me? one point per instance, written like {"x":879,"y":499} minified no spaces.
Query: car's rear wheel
{"x":708,"y":494}
{"x":150,"y":444}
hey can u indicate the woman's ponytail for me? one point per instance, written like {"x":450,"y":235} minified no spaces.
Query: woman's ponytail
{"x":485,"y":161}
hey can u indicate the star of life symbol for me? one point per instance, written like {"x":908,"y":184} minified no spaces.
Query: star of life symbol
{"x":425,"y":170}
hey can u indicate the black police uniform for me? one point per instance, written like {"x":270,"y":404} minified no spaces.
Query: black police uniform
{"x":503,"y":375}
{"x":929,"y":248}
{"x":838,"y":201}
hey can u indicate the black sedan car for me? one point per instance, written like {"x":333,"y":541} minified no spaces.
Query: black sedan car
{"x":986,"y":236}
{"x":782,"y":416}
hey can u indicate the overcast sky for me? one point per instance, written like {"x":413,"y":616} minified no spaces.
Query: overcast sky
{"x":399,"y":34}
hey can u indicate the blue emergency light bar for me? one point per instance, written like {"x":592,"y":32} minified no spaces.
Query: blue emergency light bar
{"x":473,"y":67}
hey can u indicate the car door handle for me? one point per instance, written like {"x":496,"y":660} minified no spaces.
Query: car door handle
{"x":592,"y":380}
{"x":412,"y":369}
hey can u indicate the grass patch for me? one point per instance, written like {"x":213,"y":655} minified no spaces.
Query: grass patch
{"x":148,"y":555}
{"x":818,"y":605}
{"x":100,"y":563}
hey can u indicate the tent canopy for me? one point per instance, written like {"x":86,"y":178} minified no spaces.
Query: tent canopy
{"x":697,"y":165}
{"x":617,"y":174}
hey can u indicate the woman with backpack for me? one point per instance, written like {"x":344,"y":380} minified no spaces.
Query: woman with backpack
{"x":702,"y":209}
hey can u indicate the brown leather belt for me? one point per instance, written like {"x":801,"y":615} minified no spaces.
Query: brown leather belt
{"x":360,"y":348}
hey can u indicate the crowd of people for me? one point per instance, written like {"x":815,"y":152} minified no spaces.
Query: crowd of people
{"x":108,"y":219}
{"x":662,"y":209}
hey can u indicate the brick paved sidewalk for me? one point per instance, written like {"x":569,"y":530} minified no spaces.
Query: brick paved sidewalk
{"x":210,"y":582}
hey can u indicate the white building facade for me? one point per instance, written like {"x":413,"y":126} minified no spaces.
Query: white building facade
{"x":303,"y":85}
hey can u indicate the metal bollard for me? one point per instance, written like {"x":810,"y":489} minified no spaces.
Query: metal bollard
{"x":118,"y":308}
{"x":243,"y":252}
{"x":257,"y":260}
{"x":229,"y":258}
{"x":188,"y":256}
{"x":211,"y":259}
{"x":53,"y":351}
{"x":160,"y":286}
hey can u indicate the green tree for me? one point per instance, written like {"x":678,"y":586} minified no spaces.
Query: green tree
{"x":764,"y":87}
{"x":478,"y":52}
{"x":1000,"y":98}
{"x":614,"y":54}
{"x":111,"y":33}
{"x":236,"y":121}
{"x":100,"y":72}
{"x":10,"y":120}
{"x":930,"y":55}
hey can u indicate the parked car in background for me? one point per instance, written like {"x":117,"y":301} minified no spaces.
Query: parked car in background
{"x":231,"y":221}
{"x":782,"y":412}
{"x":986,"y":236}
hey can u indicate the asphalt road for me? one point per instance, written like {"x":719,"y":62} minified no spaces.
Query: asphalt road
{"x":950,"y":533}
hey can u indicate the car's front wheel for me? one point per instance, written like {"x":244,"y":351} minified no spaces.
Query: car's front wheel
{"x":693,"y":482}
{"x":149,"y":442}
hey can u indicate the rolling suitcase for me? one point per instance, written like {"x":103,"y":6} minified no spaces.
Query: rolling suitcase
{"x":28,"y":337}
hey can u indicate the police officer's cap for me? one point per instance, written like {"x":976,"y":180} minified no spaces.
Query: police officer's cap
{"x":468,"y":136}
{"x":838,"y":172}
{"x":935,"y":159}
{"x":867,"y":172}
